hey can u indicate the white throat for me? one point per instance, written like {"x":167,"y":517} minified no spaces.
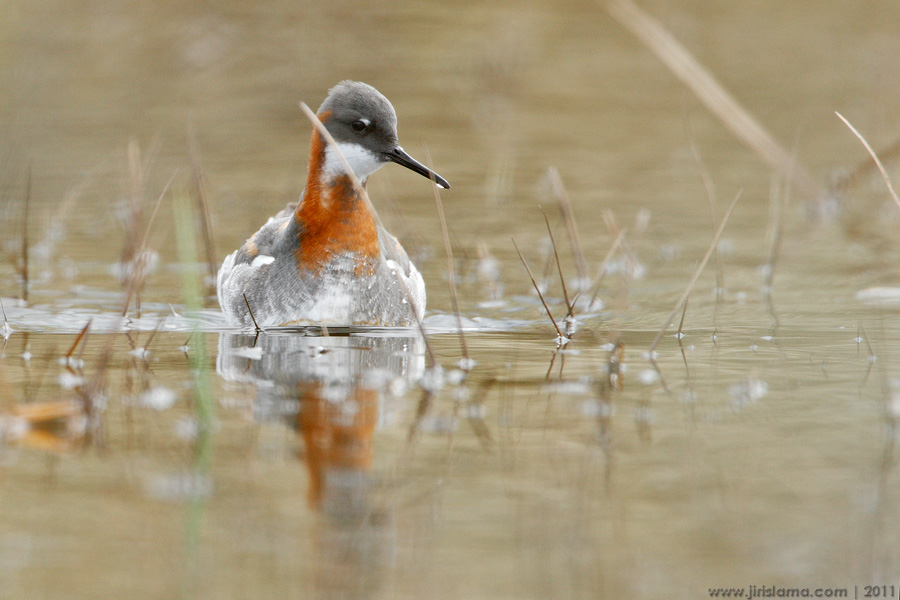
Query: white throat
{"x":364,"y":162}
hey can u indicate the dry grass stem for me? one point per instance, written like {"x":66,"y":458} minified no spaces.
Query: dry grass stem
{"x":863,"y":168}
{"x":710,"y":92}
{"x":697,"y":271}
{"x":25,"y":280}
{"x":451,"y":270}
{"x":250,"y":310}
{"x":565,"y":206}
{"x":78,"y":340}
{"x":137,"y":275}
{"x":712,"y":200}
{"x":601,"y":271}
{"x":354,"y":180}
{"x":680,"y":332}
{"x":884,"y":175}
{"x":562,"y":278}
{"x":202,"y":202}
{"x":538,"y":290}
{"x":779,"y":201}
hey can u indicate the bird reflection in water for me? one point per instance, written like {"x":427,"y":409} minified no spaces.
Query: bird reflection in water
{"x":334,"y":391}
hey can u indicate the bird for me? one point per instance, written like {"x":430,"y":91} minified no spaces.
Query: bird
{"x":327,"y":259}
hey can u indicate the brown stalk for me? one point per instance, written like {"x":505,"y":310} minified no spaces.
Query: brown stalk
{"x":138,"y":259}
{"x":25,"y":282}
{"x":202,"y":203}
{"x":710,"y":92}
{"x":565,"y":206}
{"x":862,"y":169}
{"x":255,"y":324}
{"x":538,"y":290}
{"x":451,"y":271}
{"x":884,"y":175}
{"x":562,"y":279}
{"x":697,"y":271}
{"x":601,"y":271}
{"x":712,"y":201}
{"x":78,"y":340}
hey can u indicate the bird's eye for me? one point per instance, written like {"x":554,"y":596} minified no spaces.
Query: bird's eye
{"x":360,"y":125}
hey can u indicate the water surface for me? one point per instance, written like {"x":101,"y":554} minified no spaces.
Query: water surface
{"x":170,"y":455}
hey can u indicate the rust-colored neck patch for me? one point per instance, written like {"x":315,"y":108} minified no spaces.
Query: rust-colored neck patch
{"x":332,"y":219}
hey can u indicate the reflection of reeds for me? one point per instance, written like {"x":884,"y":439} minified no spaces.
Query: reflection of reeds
{"x":203,"y":404}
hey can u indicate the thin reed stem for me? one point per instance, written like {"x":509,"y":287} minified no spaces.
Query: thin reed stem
{"x":697,"y":271}
{"x":565,"y":206}
{"x":451,"y":271}
{"x":884,"y":175}
{"x":538,"y":290}
{"x":138,"y":259}
{"x":710,"y":92}
{"x":562,"y":278}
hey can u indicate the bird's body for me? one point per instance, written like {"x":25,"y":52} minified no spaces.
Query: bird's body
{"x":327,"y":259}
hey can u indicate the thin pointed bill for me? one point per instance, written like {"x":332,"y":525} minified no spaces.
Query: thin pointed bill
{"x":399,"y":156}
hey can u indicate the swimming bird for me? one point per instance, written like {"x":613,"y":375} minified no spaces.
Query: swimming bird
{"x":327,"y":260}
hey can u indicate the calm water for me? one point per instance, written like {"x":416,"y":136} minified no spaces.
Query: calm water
{"x":170,"y":456}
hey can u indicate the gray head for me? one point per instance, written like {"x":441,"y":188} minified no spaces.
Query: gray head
{"x":364,"y":124}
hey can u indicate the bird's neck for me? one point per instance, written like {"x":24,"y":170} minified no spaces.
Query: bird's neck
{"x":333,"y":219}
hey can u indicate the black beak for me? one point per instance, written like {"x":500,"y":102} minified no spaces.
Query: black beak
{"x":399,"y":156}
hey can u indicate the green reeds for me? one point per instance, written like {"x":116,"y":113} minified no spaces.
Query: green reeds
{"x":203,"y":403}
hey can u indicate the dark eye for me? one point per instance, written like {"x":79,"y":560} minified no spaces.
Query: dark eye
{"x":360,"y":125}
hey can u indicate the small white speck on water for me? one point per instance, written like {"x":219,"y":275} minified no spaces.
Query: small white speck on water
{"x":70,"y":380}
{"x":71,"y":361}
{"x":455,"y":376}
{"x":466,"y":364}
{"x":139,"y":352}
{"x":158,"y":398}
{"x":747,"y":392}
{"x":433,"y":379}
{"x":648,"y":376}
